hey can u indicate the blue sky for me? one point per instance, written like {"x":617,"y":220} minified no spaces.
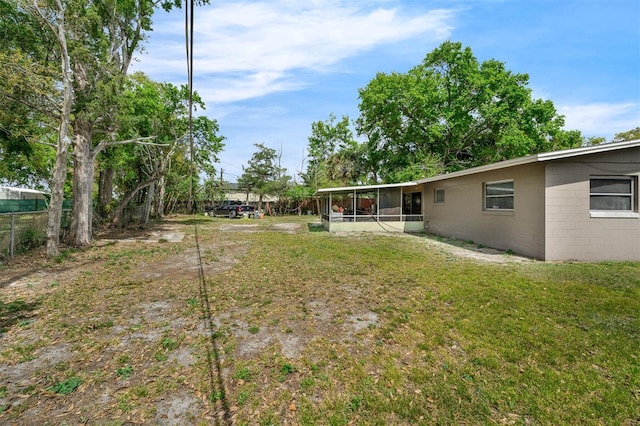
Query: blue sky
{"x":268,"y":69}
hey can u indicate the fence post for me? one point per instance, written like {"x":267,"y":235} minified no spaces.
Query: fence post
{"x":11,"y":235}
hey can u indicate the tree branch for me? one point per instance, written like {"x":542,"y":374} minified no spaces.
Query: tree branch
{"x":104,"y":144}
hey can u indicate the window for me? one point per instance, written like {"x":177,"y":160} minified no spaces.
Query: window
{"x":611,"y":193}
{"x":438,"y":196}
{"x":498,"y":195}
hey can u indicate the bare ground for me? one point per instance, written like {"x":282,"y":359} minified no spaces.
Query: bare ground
{"x":138,"y":341}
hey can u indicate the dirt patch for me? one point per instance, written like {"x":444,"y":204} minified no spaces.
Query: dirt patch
{"x":290,"y":228}
{"x":240,"y":227}
{"x":179,"y":410}
{"x":157,"y":232}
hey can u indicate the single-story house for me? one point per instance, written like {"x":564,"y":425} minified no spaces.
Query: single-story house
{"x":576,"y":204}
{"x":233,"y":192}
{"x":14,"y":199}
{"x":13,"y":193}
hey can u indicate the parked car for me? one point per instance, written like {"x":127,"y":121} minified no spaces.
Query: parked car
{"x":230,"y":210}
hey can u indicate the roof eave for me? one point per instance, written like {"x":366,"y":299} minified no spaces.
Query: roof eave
{"x":546,"y":156}
{"x":365,"y":187}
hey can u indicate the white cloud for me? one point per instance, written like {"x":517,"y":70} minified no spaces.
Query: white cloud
{"x":251,"y":49}
{"x":601,"y":119}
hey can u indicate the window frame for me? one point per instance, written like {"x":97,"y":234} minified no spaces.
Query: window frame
{"x":485,"y":197}
{"x":632,"y":212}
{"x":436,"y":200}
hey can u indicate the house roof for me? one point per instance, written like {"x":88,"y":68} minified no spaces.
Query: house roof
{"x":538,"y":158}
{"x":535,"y":158}
{"x":25,"y":190}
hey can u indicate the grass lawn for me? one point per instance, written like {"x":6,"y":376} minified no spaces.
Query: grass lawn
{"x":295,"y":326}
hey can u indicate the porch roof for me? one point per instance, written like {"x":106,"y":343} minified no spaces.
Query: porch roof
{"x":365,"y":187}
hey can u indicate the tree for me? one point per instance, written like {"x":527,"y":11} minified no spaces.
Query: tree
{"x":457,"y":111}
{"x":158,"y":110}
{"x":334,"y":157}
{"x":629,"y":135}
{"x":107,"y":36}
{"x":53,"y":18}
{"x":95,"y":43}
{"x":264,"y":175}
{"x":27,"y":115}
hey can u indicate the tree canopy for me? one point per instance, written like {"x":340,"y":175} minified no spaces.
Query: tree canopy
{"x":64,"y":67}
{"x":453,"y":112}
{"x":264,"y":174}
{"x":629,"y":135}
{"x":334,"y":156}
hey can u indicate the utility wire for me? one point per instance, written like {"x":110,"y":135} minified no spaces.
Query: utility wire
{"x":216,"y":383}
{"x":189,"y":42}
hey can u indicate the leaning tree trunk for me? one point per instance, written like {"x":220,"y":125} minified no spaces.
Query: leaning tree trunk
{"x":144,"y":218}
{"x":162,"y":190}
{"x":81,"y":229}
{"x":117,"y":213}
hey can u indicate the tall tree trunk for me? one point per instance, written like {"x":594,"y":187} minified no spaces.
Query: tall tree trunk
{"x":54,"y":215}
{"x":83,"y":173}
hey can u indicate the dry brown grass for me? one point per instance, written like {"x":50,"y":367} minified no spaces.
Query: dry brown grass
{"x":300,"y":327}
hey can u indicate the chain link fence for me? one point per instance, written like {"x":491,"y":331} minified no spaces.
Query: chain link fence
{"x":21,"y":232}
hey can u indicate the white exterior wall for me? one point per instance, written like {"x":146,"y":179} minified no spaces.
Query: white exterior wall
{"x":9,"y":193}
{"x":462,"y":215}
{"x":571,"y":233}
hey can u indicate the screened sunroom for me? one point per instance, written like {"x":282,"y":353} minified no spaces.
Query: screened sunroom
{"x":390,"y":207}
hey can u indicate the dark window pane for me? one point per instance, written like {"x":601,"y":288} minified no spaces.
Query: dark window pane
{"x":499,"y":203}
{"x":610,"y":202}
{"x":503,"y":188}
{"x":611,"y":186}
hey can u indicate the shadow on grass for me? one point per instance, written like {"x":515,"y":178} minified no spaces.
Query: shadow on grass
{"x":470,"y":246}
{"x":216,"y":377}
{"x":17,"y":312}
{"x":315,"y":227}
{"x":193,"y":220}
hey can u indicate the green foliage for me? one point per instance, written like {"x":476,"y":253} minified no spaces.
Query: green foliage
{"x":28,"y":239}
{"x":299,"y":192}
{"x":124,"y":372}
{"x":25,"y":80}
{"x":243,"y":373}
{"x":169,"y":344}
{"x":288,"y":368}
{"x":217,"y":395}
{"x":457,"y":110}
{"x":160,"y":110}
{"x":263,"y":175}
{"x":66,"y":387}
{"x":629,"y":135}
{"x":334,"y":158}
